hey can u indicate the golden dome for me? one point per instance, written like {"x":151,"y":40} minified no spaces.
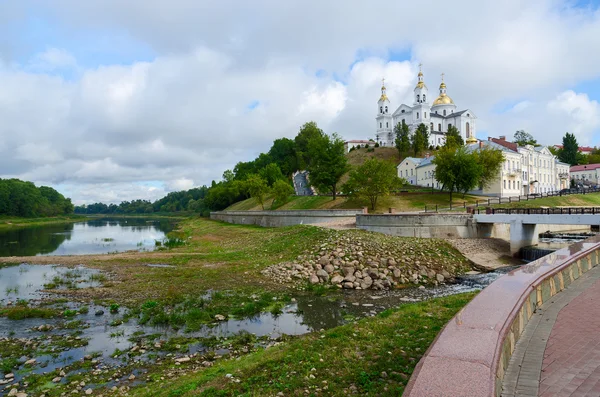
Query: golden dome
{"x":443,"y":85}
{"x":383,"y":98}
{"x":443,"y":99}
{"x":471,"y":140}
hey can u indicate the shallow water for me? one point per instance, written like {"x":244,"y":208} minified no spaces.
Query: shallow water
{"x":98,"y":236}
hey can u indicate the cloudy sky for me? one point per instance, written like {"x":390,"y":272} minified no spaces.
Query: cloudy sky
{"x":111,"y":100}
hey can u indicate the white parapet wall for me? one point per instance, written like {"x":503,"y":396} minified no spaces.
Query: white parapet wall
{"x":284,"y":218}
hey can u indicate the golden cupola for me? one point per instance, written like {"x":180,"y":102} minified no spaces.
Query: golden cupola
{"x":443,"y":98}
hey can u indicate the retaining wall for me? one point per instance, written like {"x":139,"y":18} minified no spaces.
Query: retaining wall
{"x":420,"y":225}
{"x":470,"y":356}
{"x":284,"y":218}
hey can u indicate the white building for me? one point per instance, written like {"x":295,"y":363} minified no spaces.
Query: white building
{"x":407,"y":169}
{"x":588,"y":174}
{"x":356,"y":143}
{"x":438,"y":116}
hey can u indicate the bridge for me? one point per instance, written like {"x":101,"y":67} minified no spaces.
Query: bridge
{"x":523,"y":221}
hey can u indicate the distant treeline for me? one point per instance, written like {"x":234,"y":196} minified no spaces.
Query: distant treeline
{"x":24,"y":199}
{"x":283,"y":158}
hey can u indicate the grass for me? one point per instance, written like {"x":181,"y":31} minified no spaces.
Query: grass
{"x":372,"y":357}
{"x":22,"y":312}
{"x":575,"y":200}
{"x":7,"y":222}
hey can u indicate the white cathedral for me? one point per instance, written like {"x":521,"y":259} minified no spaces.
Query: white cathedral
{"x":437,"y":117}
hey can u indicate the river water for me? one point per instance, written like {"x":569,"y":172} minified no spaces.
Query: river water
{"x":97,"y":236}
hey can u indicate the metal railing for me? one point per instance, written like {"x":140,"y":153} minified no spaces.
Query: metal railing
{"x":508,"y":200}
{"x":540,"y":211}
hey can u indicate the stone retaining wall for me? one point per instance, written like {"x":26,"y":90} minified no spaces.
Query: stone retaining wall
{"x":428,"y":225}
{"x":284,"y":218}
{"x":470,"y":356}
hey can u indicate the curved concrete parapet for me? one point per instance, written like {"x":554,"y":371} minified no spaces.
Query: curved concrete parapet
{"x":284,"y":218}
{"x":470,"y":355}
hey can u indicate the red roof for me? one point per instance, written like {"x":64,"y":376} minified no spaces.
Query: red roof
{"x":581,"y":148}
{"x":503,"y":142}
{"x":586,"y":167}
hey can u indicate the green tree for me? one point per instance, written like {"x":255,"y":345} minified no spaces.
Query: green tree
{"x":281,"y":191}
{"x":283,"y":153}
{"x":568,"y":153}
{"x":457,"y":169}
{"x":453,"y":137}
{"x":257,"y":188}
{"x":490,"y":161}
{"x":523,"y":138}
{"x":420,"y":139}
{"x":308,"y":132}
{"x":271,"y":173}
{"x":328,"y":162}
{"x":402,"y":132}
{"x":375,"y":178}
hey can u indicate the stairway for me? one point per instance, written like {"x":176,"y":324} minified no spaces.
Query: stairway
{"x":301,"y":185}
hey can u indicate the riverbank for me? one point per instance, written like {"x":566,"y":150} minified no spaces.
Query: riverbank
{"x":13,"y":222}
{"x":141,"y":318}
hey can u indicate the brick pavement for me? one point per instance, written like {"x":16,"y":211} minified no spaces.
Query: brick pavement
{"x":559,"y":352}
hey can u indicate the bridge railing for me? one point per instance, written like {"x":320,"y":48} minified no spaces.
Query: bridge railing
{"x":540,"y":211}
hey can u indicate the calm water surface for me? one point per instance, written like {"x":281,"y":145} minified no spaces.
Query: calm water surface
{"x":98,"y":236}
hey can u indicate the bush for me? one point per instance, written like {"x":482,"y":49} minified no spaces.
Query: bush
{"x":376,"y":144}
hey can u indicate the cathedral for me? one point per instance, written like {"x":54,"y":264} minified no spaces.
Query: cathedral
{"x":437,"y":116}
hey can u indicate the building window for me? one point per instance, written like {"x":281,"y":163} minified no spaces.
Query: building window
{"x":439,"y":126}
{"x":402,"y":111}
{"x":380,"y":125}
{"x":411,"y":172}
{"x":417,"y":115}
{"x":505,"y":183}
{"x":400,"y":174}
{"x":424,"y":100}
{"x":380,"y":109}
{"x":386,"y":109}
{"x":468,"y":129}
{"x":403,"y":121}
{"x":444,"y":112}
{"x":425,"y":115}
{"x":431,"y":127}
{"x":418,"y":97}
{"x":387,"y":125}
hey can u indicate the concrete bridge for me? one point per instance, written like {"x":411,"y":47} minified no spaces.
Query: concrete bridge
{"x":524,"y":221}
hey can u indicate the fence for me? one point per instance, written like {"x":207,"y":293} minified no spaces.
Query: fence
{"x":541,"y":211}
{"x":507,"y":200}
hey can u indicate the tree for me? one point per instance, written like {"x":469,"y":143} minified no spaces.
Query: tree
{"x":281,"y":191}
{"x":453,"y":137}
{"x":402,"y":132}
{"x":457,"y":169}
{"x":257,"y":188}
{"x":271,"y":173}
{"x":570,"y":149}
{"x":375,"y":178}
{"x":328,"y":162}
{"x":523,"y":138}
{"x":308,"y":132}
{"x":490,"y":161}
{"x":420,"y":139}
{"x":283,"y":153}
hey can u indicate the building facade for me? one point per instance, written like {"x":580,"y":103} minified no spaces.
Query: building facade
{"x":437,"y":115}
{"x":588,"y":174}
{"x":407,"y":169}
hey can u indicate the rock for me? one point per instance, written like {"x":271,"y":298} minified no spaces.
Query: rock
{"x":421,"y":287}
{"x":397,"y":273}
{"x":21,"y":394}
{"x":350,"y":278}
{"x":30,"y":362}
{"x":314,"y":279}
{"x":220,"y":317}
{"x":12,"y":392}
{"x":329,"y":268}
{"x":322,"y":274}
{"x":348,"y":271}
{"x":131,"y":377}
{"x":183,"y":360}
{"x":9,"y":376}
{"x":446,"y":274}
{"x":366,"y":282}
{"x":391,"y":262}
{"x":348,"y":285}
{"x":439,"y":278}
{"x":89,"y":391}
{"x":207,"y":363}
{"x":324,"y":260}
{"x":57,"y":379}
{"x":337,"y":279}
{"x":99,"y":312}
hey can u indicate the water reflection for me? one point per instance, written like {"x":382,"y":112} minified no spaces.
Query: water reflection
{"x":98,"y":236}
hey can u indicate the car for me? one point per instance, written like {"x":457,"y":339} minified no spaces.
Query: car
{"x":566,"y":191}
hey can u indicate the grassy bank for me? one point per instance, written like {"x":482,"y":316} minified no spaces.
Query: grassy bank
{"x":575,"y":200}
{"x":372,"y":357}
{"x":10,"y":222}
{"x":411,"y":201}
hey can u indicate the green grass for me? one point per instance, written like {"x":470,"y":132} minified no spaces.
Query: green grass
{"x":22,"y":312}
{"x":575,"y":200}
{"x":353,"y":355}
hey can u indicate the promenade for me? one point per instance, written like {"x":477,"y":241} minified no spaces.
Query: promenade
{"x":558,"y":353}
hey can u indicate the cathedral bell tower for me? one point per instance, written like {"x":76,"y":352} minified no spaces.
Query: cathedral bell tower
{"x":421,"y":110}
{"x":384,"y":130}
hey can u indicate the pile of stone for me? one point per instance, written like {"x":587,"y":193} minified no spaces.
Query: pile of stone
{"x":360,"y":260}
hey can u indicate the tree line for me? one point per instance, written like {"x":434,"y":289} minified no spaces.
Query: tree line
{"x":24,"y":199}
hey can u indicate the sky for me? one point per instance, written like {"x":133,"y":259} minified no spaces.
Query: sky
{"x":111,"y":100}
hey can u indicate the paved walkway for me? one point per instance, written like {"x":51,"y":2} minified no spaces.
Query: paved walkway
{"x":559,"y":351}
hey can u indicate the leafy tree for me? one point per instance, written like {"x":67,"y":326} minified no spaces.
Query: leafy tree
{"x":420,"y":139}
{"x":281,"y":191}
{"x":568,"y":153}
{"x":257,"y":188}
{"x":402,"y":132}
{"x":457,"y":169}
{"x":283,"y":153}
{"x":271,"y":173}
{"x":24,"y":199}
{"x":375,"y":178}
{"x":453,"y":137}
{"x":308,"y":132}
{"x":490,"y":161}
{"x":523,"y":138}
{"x":328,"y":162}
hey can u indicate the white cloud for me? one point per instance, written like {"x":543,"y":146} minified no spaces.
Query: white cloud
{"x":583,"y":114}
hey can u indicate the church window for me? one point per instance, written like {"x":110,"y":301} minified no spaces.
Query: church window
{"x":387,"y":125}
{"x":431,"y":127}
{"x":411,"y":172}
{"x":444,"y":112}
{"x":425,"y":114}
{"x":403,"y":120}
{"x":418,"y":96}
{"x":417,"y":115}
{"x":423,"y":97}
{"x":402,"y":111}
{"x":380,"y":109}
{"x":468,"y":115}
{"x":386,"y":109}
{"x":439,"y":126}
{"x":468,"y":129}
{"x":380,"y":125}
{"x":400,"y":174}
{"x":505,"y":183}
